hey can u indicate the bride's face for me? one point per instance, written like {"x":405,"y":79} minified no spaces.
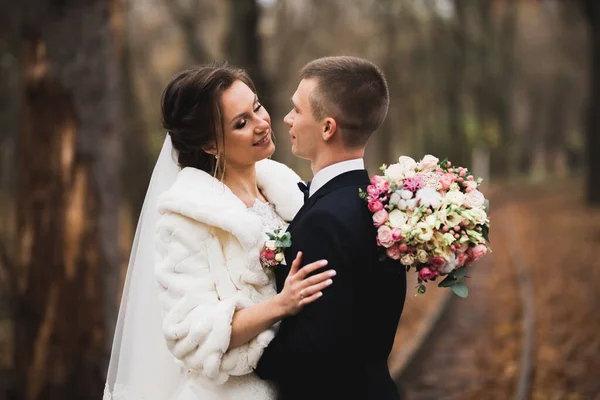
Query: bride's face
{"x":247,"y":127}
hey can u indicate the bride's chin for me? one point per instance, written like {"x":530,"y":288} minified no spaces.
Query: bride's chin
{"x":270,"y":150}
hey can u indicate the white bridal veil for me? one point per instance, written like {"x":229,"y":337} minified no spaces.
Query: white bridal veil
{"x":141,"y":366}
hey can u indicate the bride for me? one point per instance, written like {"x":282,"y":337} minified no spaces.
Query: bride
{"x":198,"y":308}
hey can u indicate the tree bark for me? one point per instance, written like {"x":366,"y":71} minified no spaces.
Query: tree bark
{"x":68,"y":200}
{"x":244,"y":46}
{"x":591,"y":10}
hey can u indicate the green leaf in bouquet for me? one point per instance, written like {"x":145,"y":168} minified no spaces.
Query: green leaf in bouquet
{"x":485,"y":231}
{"x":383,"y":167}
{"x":461,"y":272}
{"x":486,"y":206}
{"x":362,"y":194}
{"x":448,"y":281}
{"x":444,"y":164}
{"x":460,"y":289}
{"x":271,"y":236}
{"x":421,"y":289}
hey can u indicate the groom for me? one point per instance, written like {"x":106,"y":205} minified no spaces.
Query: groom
{"x":338,"y":346}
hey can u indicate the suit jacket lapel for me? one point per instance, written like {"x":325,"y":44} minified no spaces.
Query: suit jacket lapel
{"x":350,"y":178}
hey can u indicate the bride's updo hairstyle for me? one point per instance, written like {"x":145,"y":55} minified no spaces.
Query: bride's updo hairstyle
{"x":192,"y":113}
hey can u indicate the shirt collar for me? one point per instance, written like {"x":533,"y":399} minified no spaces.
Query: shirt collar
{"x":330,"y":172}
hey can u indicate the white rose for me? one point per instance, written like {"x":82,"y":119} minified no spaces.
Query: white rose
{"x":279,"y":257}
{"x":407,"y":163}
{"x":395,"y":172}
{"x":406,"y":194}
{"x":474,"y":199}
{"x":429,"y":162}
{"x":407,"y":259}
{"x":454,"y":186}
{"x":410,"y":173}
{"x":429,"y":197}
{"x":397,"y":218}
{"x":422,"y":256}
{"x":270,"y":245}
{"x":455,"y":197}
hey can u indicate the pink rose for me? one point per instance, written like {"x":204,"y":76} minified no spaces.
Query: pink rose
{"x":426,"y":274}
{"x":376,"y":180}
{"x":462,"y":258}
{"x":446,"y":179}
{"x":270,"y":255}
{"x":393,"y":252}
{"x":380,"y":217}
{"x":373,"y":191}
{"x":437,"y":262}
{"x":396,"y":234}
{"x":470,"y":185}
{"x":477,"y":252}
{"x":403,"y":248}
{"x":380,"y":183}
{"x":375,"y":206}
{"x":384,"y":235}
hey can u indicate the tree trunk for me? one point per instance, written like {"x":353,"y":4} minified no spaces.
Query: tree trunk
{"x":454,"y":81}
{"x":244,"y":46}
{"x":9,"y":119}
{"x":137,"y":167}
{"x":591,"y":9}
{"x":68,"y":199}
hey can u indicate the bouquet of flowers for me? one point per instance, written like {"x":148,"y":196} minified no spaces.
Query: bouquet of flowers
{"x":430,"y":216}
{"x":271,"y":254}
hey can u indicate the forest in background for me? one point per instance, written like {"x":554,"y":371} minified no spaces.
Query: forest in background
{"x":510,"y":88}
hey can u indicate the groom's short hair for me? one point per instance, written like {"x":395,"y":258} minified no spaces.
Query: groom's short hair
{"x":351,"y":90}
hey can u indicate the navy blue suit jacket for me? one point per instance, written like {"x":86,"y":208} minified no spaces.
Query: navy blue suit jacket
{"x":338,"y":346}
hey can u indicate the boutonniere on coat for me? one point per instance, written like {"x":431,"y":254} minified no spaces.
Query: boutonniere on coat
{"x":271,"y":254}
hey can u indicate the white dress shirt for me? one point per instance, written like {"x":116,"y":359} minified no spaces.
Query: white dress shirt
{"x":330,"y":172}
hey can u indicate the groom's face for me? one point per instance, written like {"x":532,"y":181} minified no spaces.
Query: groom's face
{"x":305,"y":131}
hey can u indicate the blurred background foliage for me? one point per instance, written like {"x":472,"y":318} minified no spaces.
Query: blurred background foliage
{"x":506,"y":87}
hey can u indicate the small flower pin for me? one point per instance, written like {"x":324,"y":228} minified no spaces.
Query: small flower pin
{"x":271,"y":254}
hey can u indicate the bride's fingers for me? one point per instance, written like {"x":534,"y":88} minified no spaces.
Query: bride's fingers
{"x":323,"y":276}
{"x":310,"y":290}
{"x":309,"y":268}
{"x":296,"y":264}
{"x":310,"y":299}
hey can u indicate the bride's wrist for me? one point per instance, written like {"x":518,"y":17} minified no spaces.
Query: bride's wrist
{"x":279,"y":307}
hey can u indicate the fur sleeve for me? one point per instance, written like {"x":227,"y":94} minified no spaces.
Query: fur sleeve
{"x":196,"y":321}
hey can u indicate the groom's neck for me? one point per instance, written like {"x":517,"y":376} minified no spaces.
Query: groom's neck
{"x":329,"y":157}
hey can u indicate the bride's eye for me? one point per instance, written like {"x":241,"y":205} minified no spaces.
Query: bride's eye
{"x":241,"y":124}
{"x":258,"y":106}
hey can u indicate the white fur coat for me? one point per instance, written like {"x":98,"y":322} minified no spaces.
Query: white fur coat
{"x":208,"y":267}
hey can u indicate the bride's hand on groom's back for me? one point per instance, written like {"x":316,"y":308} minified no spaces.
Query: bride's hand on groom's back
{"x":301,"y":289}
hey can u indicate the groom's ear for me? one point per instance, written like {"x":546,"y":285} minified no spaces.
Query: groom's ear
{"x":329,"y":128}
